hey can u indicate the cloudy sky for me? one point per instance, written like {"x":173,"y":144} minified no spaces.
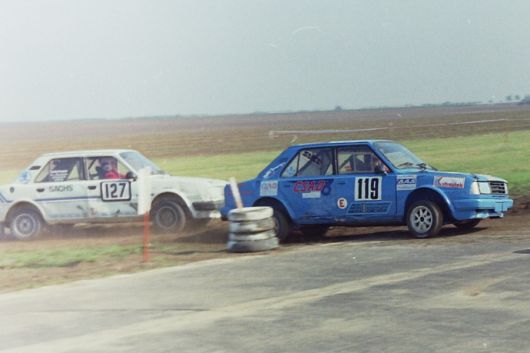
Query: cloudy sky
{"x":71,"y":59}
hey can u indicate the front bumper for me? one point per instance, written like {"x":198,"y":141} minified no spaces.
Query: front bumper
{"x":481,"y":208}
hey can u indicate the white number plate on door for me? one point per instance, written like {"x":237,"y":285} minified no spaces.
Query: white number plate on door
{"x":116,"y":190}
{"x":367,"y":188}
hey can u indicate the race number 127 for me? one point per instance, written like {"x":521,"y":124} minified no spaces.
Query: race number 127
{"x":368,"y":188}
{"x":116,"y":191}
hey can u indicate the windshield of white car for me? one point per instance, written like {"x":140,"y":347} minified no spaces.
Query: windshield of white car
{"x":400,"y":156}
{"x":138,"y":161}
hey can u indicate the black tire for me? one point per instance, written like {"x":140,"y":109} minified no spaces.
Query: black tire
{"x":250,"y":227}
{"x":25,"y":223}
{"x":168,"y":216}
{"x":424,"y":219}
{"x":2,"y":231}
{"x":467,"y":225}
{"x":282,"y":225}
{"x":252,"y":246}
{"x":314,"y":232}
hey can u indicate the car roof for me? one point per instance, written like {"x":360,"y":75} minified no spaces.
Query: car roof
{"x":86,"y":153}
{"x":336,"y":143}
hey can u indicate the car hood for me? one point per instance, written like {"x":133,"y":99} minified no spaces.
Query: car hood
{"x":193,"y":187}
{"x":188,"y":180}
{"x":440,"y":173}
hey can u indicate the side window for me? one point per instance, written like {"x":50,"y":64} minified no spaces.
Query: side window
{"x":310,"y":162}
{"x":60,"y":170}
{"x":105,"y":167}
{"x":356,"y":159}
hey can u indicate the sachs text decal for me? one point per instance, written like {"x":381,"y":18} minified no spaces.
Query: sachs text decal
{"x":61,"y":188}
{"x":313,"y":188}
{"x":406,"y":182}
{"x":268,"y":188}
{"x":368,"y":188}
{"x":449,"y":182}
{"x":116,"y":191}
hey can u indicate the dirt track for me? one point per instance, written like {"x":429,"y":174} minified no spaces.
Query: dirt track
{"x":209,"y":243}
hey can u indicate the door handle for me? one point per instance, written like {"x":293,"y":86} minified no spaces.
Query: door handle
{"x":40,"y":189}
{"x":92,"y":187}
{"x":341,"y":183}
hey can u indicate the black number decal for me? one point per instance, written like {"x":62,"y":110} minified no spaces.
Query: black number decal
{"x":368,"y":188}
{"x":115,"y":191}
{"x":374,"y":189}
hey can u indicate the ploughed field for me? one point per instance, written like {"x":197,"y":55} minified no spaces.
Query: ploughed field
{"x":169,"y":137}
{"x":486,"y":139}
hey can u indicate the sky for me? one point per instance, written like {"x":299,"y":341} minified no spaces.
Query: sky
{"x":78,"y":59}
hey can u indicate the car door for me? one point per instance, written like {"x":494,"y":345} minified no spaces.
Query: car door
{"x":111,"y":194}
{"x":306,"y":184}
{"x":61,"y":190}
{"x":365,"y":187}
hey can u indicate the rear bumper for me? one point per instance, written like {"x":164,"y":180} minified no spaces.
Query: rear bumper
{"x":481,"y":208}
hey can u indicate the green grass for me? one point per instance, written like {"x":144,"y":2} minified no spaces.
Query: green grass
{"x":64,"y":257}
{"x":240,"y":165}
{"x":506,"y":155}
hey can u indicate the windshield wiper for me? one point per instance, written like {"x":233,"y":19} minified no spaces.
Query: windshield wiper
{"x":406,"y":164}
{"x":425,"y":166}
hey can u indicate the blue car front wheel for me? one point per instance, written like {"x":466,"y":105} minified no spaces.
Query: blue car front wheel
{"x":424,"y":219}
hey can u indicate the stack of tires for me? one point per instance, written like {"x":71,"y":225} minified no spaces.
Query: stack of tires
{"x":251,"y":229}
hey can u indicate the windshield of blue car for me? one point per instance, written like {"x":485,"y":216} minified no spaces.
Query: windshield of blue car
{"x":400,"y":157}
{"x":138,"y":161}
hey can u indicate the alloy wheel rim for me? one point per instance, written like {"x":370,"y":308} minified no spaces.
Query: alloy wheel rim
{"x":422,"y":219}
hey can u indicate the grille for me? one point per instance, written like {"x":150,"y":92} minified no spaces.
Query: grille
{"x":498,"y":187}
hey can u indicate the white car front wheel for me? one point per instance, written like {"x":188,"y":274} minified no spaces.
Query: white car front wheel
{"x":168,"y":216}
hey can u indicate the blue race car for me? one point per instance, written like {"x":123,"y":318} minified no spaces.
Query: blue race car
{"x":366,"y":183}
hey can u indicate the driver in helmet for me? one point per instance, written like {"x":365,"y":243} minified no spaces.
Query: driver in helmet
{"x":109,"y":168}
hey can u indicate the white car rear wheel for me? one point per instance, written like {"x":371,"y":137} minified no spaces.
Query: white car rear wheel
{"x":25,"y":223}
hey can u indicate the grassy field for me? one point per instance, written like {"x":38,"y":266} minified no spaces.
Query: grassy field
{"x":505,"y":155}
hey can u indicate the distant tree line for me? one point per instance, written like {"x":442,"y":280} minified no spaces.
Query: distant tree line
{"x":518,"y":98}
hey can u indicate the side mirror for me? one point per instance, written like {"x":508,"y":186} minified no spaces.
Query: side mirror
{"x":131,"y":175}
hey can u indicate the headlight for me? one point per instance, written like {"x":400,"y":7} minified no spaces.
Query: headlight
{"x":474,"y":190}
{"x":484,"y":188}
{"x":478,"y":188}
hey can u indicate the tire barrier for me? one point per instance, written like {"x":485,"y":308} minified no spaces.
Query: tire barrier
{"x":251,"y":230}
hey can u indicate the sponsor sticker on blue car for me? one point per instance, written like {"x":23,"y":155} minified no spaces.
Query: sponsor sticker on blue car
{"x":406,"y":182}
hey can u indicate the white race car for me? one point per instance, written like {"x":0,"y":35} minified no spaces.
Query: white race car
{"x":97,"y":186}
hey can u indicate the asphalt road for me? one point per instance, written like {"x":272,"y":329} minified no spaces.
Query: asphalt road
{"x":376,"y":296}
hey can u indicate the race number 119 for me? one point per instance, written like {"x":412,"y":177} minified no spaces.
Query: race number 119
{"x":368,"y":188}
{"x":116,"y":191}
